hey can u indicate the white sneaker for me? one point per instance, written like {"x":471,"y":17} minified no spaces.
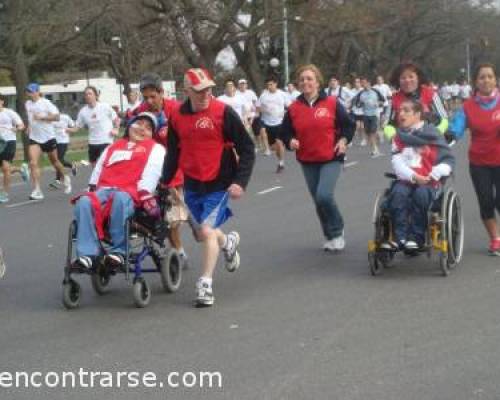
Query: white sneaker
{"x":55,"y":185}
{"x":411,"y":245}
{"x":339,"y":242}
{"x":67,"y":184}
{"x":204,"y":294}
{"x":25,"y":172}
{"x":267,"y":152}
{"x":230,"y":251}
{"x":329,"y":245}
{"x":2,"y":264}
{"x":36,"y":195}
{"x":363,"y":143}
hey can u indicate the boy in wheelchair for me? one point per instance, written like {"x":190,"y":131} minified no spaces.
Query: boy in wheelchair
{"x":123,"y":181}
{"x":421,"y":159}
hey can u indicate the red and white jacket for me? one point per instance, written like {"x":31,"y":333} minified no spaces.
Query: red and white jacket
{"x":424,"y":153}
{"x":130,"y":167}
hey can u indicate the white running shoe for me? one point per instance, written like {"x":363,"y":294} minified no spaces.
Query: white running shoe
{"x":339,"y":242}
{"x":82,"y":263}
{"x":363,"y":143}
{"x":411,"y":245}
{"x":3,"y":267}
{"x":4,"y":197}
{"x":204,"y":294}
{"x":230,"y":251}
{"x":25,"y":172}
{"x":67,"y":184}
{"x":329,"y":245}
{"x":36,"y":195}
{"x":267,"y":153}
{"x":55,"y":185}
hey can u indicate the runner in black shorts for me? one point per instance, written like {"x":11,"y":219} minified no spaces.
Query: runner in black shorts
{"x":42,"y":114}
{"x":273,"y":133}
{"x":95,"y":151}
{"x":47,"y":147}
{"x":10,"y":123}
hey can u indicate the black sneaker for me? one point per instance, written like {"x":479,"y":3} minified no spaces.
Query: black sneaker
{"x":280,"y":169}
{"x":74,"y":169}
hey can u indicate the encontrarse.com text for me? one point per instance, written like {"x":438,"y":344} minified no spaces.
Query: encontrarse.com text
{"x":119,"y":379}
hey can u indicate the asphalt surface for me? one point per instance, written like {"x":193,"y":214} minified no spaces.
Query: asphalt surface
{"x":292,"y":323}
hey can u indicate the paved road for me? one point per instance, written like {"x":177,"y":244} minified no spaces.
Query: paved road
{"x":293,"y":323}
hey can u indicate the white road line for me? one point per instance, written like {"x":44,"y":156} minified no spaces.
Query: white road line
{"x":23,"y":203}
{"x":351,"y":164}
{"x":270,"y":190}
{"x":19,"y":184}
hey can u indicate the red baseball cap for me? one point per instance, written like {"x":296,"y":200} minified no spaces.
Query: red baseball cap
{"x":198,"y":79}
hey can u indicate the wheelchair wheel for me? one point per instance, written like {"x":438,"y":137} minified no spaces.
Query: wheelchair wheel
{"x":377,"y":259}
{"x":141,"y":292}
{"x":386,"y":258}
{"x":71,"y":294}
{"x":376,"y":267}
{"x":100,"y":280}
{"x":454,"y":230}
{"x":171,"y":271}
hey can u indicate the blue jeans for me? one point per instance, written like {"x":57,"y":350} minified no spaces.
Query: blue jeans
{"x":409,"y":205}
{"x":87,"y":242}
{"x":321,"y":179}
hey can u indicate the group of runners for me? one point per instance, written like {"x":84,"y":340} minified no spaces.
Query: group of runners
{"x":203,"y":150}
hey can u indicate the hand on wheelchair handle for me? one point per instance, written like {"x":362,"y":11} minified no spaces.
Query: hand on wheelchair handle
{"x":152,"y":208}
{"x":150,"y":205}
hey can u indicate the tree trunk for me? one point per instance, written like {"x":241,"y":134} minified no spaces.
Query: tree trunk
{"x":21,"y":80}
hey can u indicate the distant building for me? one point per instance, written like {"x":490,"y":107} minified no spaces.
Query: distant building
{"x":68,"y":96}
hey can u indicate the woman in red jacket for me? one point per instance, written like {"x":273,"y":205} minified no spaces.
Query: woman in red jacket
{"x":481,"y":114}
{"x":412,"y":84}
{"x":318,"y":128}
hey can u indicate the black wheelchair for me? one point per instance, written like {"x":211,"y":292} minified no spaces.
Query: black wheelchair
{"x":444,"y":235}
{"x":146,"y":239}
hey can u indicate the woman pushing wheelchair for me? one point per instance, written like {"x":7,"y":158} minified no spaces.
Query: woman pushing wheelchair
{"x":421,"y":159}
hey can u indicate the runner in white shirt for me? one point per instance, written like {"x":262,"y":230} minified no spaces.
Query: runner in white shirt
{"x":42,"y":138}
{"x":259,"y":133}
{"x":455,"y":94}
{"x":62,"y":139}
{"x":133,"y":101}
{"x":101,"y":121}
{"x":465,"y":91}
{"x":291,"y":92}
{"x":238,"y":103}
{"x":357,"y":112}
{"x":384,"y":89}
{"x":271,"y":107}
{"x":10,"y":123}
{"x":445,"y":93}
{"x":343,"y":94}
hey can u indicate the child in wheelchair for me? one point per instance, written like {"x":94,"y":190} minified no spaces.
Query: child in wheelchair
{"x":124,"y":180}
{"x":421,"y":159}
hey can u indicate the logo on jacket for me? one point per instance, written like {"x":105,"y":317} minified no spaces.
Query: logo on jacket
{"x":321,"y":113}
{"x":204,"y":123}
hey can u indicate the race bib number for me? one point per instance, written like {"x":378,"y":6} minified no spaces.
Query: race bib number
{"x":120,"y":155}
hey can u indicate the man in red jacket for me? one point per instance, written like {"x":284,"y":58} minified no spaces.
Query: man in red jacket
{"x":204,"y":137}
{"x":156,"y":102}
